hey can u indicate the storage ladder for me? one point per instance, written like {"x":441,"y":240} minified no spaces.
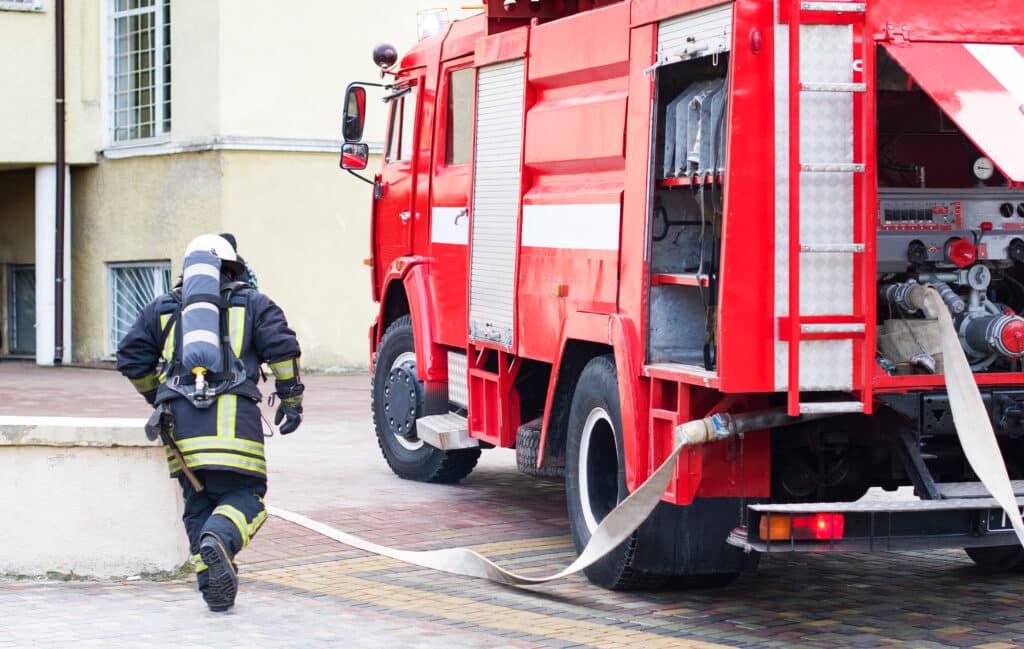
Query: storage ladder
{"x":804,"y":18}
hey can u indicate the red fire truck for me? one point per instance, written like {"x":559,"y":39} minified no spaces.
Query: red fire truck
{"x":598,"y":219}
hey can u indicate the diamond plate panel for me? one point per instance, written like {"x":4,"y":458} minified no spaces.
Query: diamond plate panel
{"x":781,"y":198}
{"x":458,"y":391}
{"x":826,"y":365}
{"x":826,"y":200}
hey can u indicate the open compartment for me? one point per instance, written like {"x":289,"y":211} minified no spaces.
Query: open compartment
{"x":689,"y":134}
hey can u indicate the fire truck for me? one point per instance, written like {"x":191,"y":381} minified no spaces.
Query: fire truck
{"x":596,"y":220}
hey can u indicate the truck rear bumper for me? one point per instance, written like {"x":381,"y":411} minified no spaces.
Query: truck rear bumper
{"x":964,"y":517}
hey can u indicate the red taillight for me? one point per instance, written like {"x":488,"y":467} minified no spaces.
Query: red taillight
{"x":820,"y":527}
{"x":812,"y":527}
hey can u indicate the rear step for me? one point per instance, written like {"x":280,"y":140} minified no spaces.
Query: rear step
{"x":448,"y":432}
{"x":965,"y":516}
{"x":830,"y":407}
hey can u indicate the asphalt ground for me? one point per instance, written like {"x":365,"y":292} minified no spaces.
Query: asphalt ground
{"x":300,"y":589}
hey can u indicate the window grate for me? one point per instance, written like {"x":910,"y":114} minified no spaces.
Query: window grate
{"x":132,"y":287}
{"x":141,"y":69}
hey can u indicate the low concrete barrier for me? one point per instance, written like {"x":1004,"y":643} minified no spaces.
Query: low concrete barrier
{"x":86,"y":496}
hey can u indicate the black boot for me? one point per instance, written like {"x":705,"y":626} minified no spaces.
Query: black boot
{"x":223,"y":580}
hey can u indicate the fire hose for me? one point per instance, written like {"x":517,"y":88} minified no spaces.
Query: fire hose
{"x":970,"y":417}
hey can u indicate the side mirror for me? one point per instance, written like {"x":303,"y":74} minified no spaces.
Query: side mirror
{"x":355,"y":113}
{"x":354,"y":155}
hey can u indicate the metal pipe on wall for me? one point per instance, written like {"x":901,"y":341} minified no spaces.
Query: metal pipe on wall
{"x":58,"y":295}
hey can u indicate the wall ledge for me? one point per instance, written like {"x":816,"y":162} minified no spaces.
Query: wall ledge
{"x":229,"y":143}
{"x":96,"y":432}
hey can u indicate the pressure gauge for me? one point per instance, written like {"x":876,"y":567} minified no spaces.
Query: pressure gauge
{"x":983,"y":168}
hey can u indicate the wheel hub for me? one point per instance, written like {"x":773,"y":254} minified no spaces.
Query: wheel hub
{"x":401,"y":397}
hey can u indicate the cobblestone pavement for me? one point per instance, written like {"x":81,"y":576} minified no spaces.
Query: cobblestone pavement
{"x":303,"y":590}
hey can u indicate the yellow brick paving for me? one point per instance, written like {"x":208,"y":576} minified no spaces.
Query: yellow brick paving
{"x":341,"y":579}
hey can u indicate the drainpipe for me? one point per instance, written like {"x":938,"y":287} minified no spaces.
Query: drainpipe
{"x":58,"y":348}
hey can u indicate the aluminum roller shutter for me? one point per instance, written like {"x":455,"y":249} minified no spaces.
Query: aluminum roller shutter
{"x":497,"y":180}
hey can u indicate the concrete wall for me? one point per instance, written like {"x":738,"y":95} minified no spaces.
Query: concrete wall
{"x":86,"y":496}
{"x":137,"y":209}
{"x":27,"y":41}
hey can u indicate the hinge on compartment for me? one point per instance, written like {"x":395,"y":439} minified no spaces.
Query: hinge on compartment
{"x":896,"y":34}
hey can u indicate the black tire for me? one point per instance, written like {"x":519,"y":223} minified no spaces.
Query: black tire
{"x":1001,"y":558}
{"x":396,"y":402}
{"x":527,"y":450}
{"x":595,"y":475}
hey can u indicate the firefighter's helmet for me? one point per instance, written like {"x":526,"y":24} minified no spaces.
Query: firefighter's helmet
{"x":219,"y":247}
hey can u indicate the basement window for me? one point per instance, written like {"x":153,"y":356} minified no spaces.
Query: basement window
{"x":133,"y":285}
{"x":141,"y":69}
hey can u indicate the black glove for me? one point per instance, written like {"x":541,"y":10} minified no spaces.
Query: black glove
{"x":290,"y":411}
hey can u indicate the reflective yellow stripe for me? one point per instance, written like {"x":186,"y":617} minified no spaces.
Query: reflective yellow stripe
{"x":227,"y":408}
{"x":236,"y":517}
{"x":285,"y":370}
{"x":198,"y":563}
{"x":146,"y":383}
{"x":172,"y":463}
{"x":214,"y":443}
{"x":168,"y":352}
{"x":257,"y":523}
{"x":200,"y":460}
{"x":236,"y":325}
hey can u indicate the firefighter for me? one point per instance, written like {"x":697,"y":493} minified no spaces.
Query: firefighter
{"x":208,"y":404}
{"x":250,"y":276}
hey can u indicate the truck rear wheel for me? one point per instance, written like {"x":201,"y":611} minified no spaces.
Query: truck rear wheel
{"x":396,"y":400}
{"x":1001,"y":558}
{"x":595,"y":475}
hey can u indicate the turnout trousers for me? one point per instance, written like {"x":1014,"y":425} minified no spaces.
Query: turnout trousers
{"x":230,"y":506}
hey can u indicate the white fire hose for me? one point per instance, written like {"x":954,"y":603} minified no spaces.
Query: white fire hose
{"x":969,"y":415}
{"x":613,"y":530}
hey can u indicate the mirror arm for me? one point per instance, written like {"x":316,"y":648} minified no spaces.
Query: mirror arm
{"x":362,"y":178}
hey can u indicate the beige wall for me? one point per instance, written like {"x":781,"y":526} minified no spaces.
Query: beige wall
{"x":196,"y":50}
{"x":138,"y":209}
{"x":27,"y":70}
{"x":292,"y":84}
{"x":303,"y":225}
{"x":241,"y":69}
{"x":300,"y":222}
{"x":17,"y":217}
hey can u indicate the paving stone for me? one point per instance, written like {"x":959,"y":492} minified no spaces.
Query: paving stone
{"x":300,"y":589}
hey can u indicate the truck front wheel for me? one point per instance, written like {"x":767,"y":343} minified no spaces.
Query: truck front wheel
{"x":595,"y":475}
{"x":397,"y":402}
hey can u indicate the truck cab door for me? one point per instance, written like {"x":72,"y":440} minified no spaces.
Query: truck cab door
{"x":449,"y":206}
{"x":395,"y":213}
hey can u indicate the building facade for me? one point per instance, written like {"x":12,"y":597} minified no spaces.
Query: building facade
{"x":184,"y":117}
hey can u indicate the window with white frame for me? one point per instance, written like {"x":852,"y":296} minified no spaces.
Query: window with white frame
{"x":132,"y":286}
{"x":21,"y":5}
{"x":141,"y":69}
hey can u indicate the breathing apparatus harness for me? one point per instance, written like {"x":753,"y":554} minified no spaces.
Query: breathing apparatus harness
{"x":203,"y":388}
